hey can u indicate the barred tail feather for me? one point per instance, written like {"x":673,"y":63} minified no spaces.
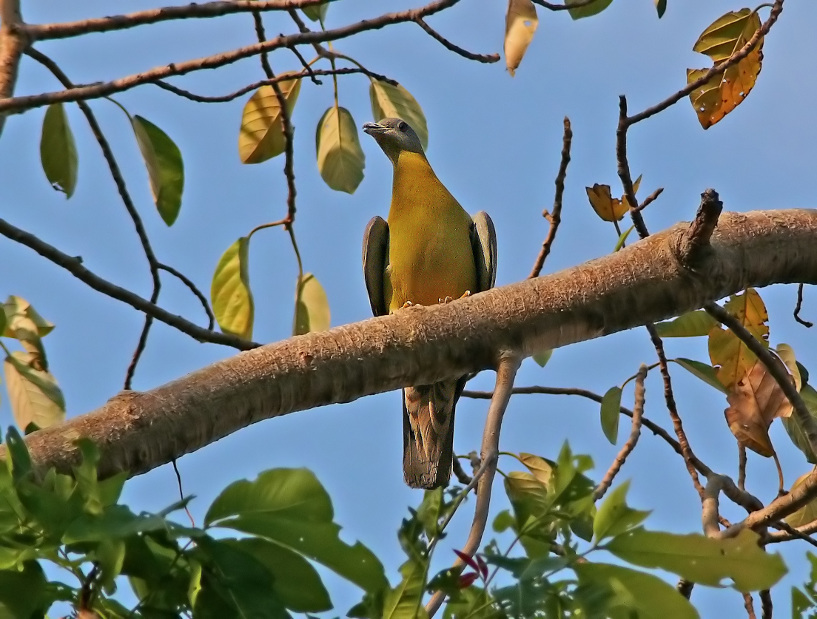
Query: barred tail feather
{"x":428,"y":432}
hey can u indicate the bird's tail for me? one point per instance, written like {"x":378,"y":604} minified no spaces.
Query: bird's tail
{"x":428,"y":432}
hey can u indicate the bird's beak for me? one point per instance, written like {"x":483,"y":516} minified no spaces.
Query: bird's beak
{"x":374,"y":128}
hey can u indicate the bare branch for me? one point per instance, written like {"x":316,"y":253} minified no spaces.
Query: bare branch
{"x":42,"y":32}
{"x":74,"y":266}
{"x":102,"y":89}
{"x":487,"y":58}
{"x":555,"y":218}
{"x":629,"y":445}
{"x":799,"y":307}
{"x":686,"y":450}
{"x":211,"y":320}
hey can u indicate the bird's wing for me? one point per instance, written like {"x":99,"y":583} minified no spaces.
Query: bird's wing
{"x":375,"y":260}
{"x":483,"y":242}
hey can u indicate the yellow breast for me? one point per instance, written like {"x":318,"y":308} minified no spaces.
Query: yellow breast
{"x":430,"y":254}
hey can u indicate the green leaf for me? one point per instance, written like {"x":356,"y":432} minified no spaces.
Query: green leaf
{"x":340,"y":158}
{"x":614,"y":516}
{"x":114,"y":522}
{"x":109,"y":555}
{"x":230,"y":292}
{"x":630,"y":593}
{"x":702,"y":370}
{"x":543,"y":357}
{"x":58,"y":152}
{"x":316,"y":12}
{"x":702,"y":559}
{"x":295,"y":581}
{"x":165,"y":167}
{"x":311,"y":306}
{"x":234,"y":584}
{"x":691,"y":324}
{"x":396,"y":102}
{"x":290,"y":507}
{"x":18,"y":454}
{"x":34,"y":394}
{"x":594,"y":8}
{"x":261,"y":136}
{"x":660,"y":7}
{"x":610,"y":413}
{"x":24,"y":593}
{"x":623,"y":238}
{"x":405,"y":601}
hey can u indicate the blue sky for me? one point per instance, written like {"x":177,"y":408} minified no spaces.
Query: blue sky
{"x":495,"y":142}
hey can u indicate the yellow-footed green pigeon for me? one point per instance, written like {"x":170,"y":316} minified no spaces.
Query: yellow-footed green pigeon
{"x":428,"y":251}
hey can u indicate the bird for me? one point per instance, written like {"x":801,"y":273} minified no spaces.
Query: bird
{"x":430,"y":250}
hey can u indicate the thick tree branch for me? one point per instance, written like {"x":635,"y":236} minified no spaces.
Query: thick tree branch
{"x":641,"y":283}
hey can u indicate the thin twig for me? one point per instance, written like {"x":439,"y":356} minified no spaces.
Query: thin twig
{"x":74,"y":266}
{"x":686,"y":450}
{"x":741,"y":466}
{"x":766,"y":605}
{"x":486,"y":58}
{"x":250,"y":87}
{"x":211,"y":320}
{"x":555,"y":218}
{"x":799,"y":307}
{"x":507,"y":367}
{"x":657,"y":430}
{"x":623,"y":167}
{"x":286,"y":124}
{"x":635,"y":432}
{"x":650,"y":199}
{"x":16,"y":105}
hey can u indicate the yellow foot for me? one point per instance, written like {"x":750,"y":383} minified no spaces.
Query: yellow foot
{"x":467,"y":293}
{"x":407,"y":304}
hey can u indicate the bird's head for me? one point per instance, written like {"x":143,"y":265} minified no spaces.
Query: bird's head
{"x":394,"y":136}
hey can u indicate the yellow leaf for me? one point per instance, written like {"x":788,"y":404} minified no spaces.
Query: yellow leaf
{"x":396,"y":102}
{"x":723,"y":93}
{"x":754,"y":402}
{"x":261,"y":136}
{"x":340,"y":158}
{"x":17,"y":306}
{"x":807,"y":513}
{"x":726,"y":350}
{"x":520,"y":25}
{"x":34,"y":394}
{"x":230,"y":291}
{"x":606,"y":206}
{"x":311,"y":306}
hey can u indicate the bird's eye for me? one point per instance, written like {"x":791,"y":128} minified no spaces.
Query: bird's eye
{"x":402,"y":126}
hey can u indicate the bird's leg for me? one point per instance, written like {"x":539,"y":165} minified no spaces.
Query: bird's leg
{"x":407,"y":304}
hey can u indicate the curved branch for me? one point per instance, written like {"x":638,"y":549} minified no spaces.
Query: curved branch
{"x":73,"y":265}
{"x":41,"y":32}
{"x":507,"y":367}
{"x":642,"y":283}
